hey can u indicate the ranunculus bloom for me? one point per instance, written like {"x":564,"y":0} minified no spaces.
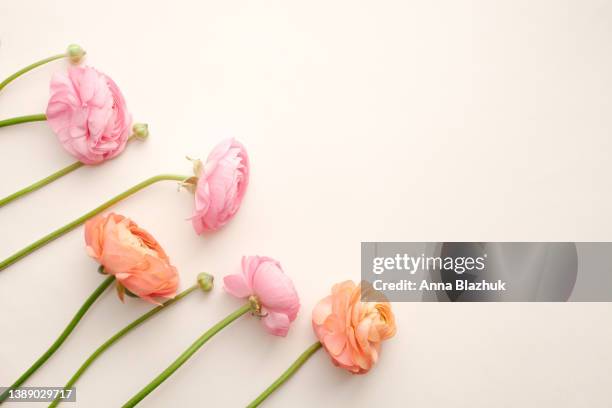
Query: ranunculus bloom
{"x":350,"y":330}
{"x":262,"y":280}
{"x":88,"y":114}
{"x":131,"y":254}
{"x":222,"y":182}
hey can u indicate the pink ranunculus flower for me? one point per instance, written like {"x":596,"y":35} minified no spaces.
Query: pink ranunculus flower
{"x":222,"y":182}
{"x":88,"y":114}
{"x":264,"y":284}
{"x":130,"y":253}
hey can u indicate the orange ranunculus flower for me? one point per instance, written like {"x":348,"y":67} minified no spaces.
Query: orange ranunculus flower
{"x":352,"y":331}
{"x":131,"y":254}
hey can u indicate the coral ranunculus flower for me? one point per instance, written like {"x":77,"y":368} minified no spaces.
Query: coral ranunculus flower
{"x":222,"y":182}
{"x":88,"y":114}
{"x":352,"y":331}
{"x":132,"y":255}
{"x":269,"y":290}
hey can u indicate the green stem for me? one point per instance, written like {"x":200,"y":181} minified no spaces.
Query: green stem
{"x":75,"y":320}
{"x":41,"y":183}
{"x":47,"y":180}
{"x":185,"y":356}
{"x":119,"y":335}
{"x":72,"y":225}
{"x":29,"y":68}
{"x":286,"y":375}
{"x":23,"y":119}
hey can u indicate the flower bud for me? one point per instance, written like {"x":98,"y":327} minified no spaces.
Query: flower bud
{"x":205,"y":281}
{"x":140,"y":131}
{"x":75,"y":53}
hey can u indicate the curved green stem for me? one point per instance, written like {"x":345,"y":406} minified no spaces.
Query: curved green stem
{"x":29,"y":68}
{"x":47,"y":180}
{"x":119,"y":335}
{"x":185,"y":356}
{"x":39,"y":184}
{"x":72,"y":225}
{"x":286,"y":375}
{"x":75,"y":320}
{"x":23,"y":119}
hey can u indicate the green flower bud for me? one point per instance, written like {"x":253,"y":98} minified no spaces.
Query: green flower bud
{"x":75,"y":53}
{"x":205,"y":281}
{"x":140,"y":131}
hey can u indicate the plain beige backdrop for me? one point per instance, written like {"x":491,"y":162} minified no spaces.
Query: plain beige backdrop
{"x":365,"y":121}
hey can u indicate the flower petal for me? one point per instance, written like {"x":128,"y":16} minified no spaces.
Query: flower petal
{"x":276,"y":324}
{"x":275,"y":289}
{"x":236,"y":286}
